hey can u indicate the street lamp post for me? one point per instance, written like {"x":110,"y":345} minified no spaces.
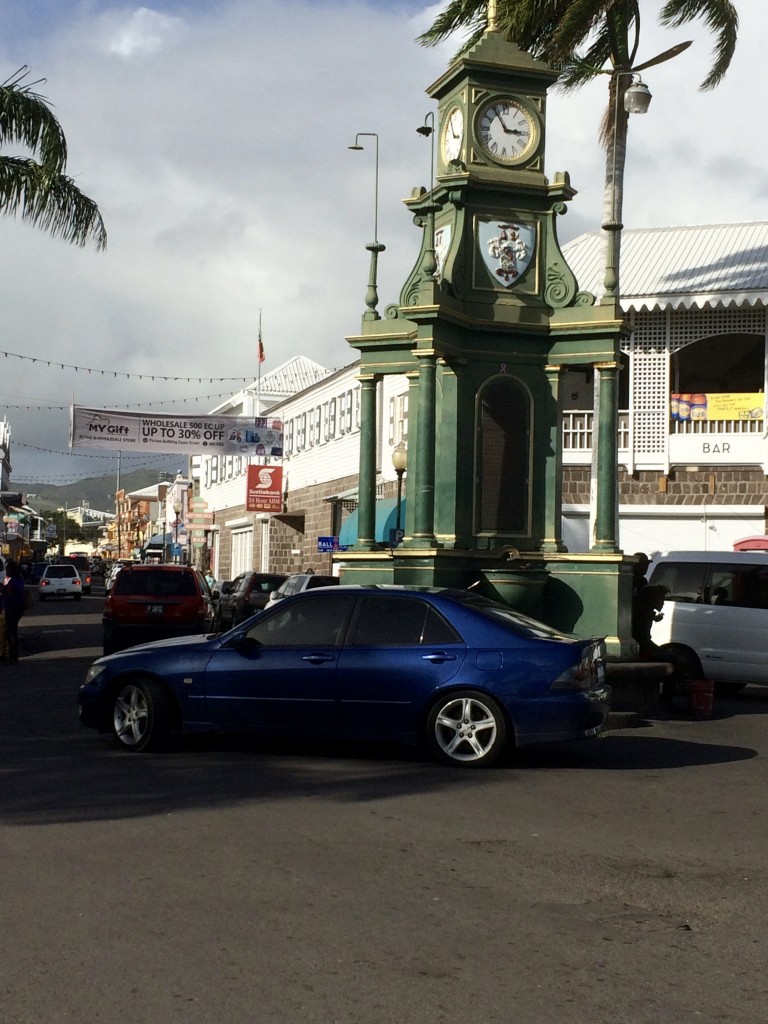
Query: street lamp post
{"x":375,"y":247}
{"x":637,"y":99}
{"x":400,"y":464}
{"x":177,"y":513}
{"x":427,"y":129}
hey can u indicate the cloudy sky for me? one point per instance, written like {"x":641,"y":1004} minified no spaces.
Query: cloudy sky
{"x":213,"y":134}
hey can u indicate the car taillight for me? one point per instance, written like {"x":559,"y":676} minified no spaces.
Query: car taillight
{"x":44,"y":583}
{"x":587,"y":674}
{"x":77,"y":581}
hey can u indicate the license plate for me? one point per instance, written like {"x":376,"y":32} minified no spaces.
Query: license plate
{"x":154,"y":609}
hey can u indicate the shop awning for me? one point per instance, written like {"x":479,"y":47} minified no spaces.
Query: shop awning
{"x":159,"y":541}
{"x":386,"y":520}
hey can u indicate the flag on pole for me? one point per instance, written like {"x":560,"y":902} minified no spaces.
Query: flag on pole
{"x":261,"y":354}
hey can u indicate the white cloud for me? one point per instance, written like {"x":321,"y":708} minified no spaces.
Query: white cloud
{"x":214,"y":138}
{"x":143,"y":34}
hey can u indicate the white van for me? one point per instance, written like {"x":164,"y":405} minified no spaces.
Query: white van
{"x":715,"y":615}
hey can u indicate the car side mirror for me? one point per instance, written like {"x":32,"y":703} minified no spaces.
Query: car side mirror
{"x":240,"y":641}
{"x":215,"y":595}
{"x":274,"y":595}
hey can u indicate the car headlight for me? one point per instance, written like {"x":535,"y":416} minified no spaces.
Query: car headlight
{"x":95,"y":672}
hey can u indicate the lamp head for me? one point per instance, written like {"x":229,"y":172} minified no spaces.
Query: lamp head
{"x":425,"y":130}
{"x":400,"y":457}
{"x":637,"y":98}
{"x":356,"y":146}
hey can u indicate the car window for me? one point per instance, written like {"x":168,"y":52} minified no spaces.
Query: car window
{"x":400,"y":621}
{"x":684,"y":581}
{"x":319,"y":621}
{"x":155,"y":584}
{"x":61,"y":572}
{"x":739,"y":586}
{"x":321,"y":581}
{"x":266,"y":586}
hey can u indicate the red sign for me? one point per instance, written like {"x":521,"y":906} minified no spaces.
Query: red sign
{"x":265,"y":489}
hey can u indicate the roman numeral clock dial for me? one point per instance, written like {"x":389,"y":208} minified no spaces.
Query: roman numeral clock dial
{"x":506,"y":131}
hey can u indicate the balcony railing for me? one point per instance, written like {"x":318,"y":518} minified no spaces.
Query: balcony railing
{"x":577,"y":431}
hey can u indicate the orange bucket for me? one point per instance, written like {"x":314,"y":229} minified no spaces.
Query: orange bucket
{"x":701,"y":694}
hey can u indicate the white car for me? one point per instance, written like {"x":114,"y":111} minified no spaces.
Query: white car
{"x":298,"y":583}
{"x":60,"y":581}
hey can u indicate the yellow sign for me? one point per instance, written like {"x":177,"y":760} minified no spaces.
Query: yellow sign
{"x":719,"y":405}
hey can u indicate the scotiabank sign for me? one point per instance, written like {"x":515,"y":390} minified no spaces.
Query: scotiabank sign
{"x":264,"y":489}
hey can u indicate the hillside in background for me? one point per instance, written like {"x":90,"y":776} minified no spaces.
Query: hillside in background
{"x":98,"y":491}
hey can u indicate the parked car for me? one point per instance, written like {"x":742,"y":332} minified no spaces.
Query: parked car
{"x":245,"y":595}
{"x":715,"y":614}
{"x":83,"y":566}
{"x":467,"y":676}
{"x":154,"y":602}
{"x":298,"y":583}
{"x":114,"y":569}
{"x":62,"y":580}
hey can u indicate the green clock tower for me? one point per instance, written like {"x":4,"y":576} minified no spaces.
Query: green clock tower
{"x":489,"y":321}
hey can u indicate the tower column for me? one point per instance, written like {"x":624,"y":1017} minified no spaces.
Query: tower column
{"x":553,"y":472}
{"x":366,"y":499}
{"x":606,"y":443}
{"x":422,"y":486}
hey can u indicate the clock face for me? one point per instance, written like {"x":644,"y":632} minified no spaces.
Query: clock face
{"x":453,"y":135}
{"x":506,"y":130}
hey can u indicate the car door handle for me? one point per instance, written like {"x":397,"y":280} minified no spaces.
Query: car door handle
{"x":318,"y":659}
{"x":438,"y":657}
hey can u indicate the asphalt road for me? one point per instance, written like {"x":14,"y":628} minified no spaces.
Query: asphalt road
{"x":620,"y":881}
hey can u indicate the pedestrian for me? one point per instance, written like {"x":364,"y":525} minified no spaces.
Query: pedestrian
{"x":3,"y":638}
{"x":14,"y":606}
{"x":210,"y":579}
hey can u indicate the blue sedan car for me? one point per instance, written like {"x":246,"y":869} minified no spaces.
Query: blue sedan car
{"x":469,"y":677}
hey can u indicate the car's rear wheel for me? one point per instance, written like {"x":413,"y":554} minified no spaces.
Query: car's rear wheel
{"x":141,"y":716}
{"x":467,"y":729}
{"x":78,"y":597}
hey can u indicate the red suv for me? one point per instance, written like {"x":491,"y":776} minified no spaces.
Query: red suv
{"x":154,"y":602}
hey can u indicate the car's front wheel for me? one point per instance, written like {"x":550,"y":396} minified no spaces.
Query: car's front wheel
{"x":141,"y":716}
{"x":467,"y":729}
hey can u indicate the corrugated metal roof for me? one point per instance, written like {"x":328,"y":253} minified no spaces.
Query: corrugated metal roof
{"x":293,"y":376}
{"x":661,"y":268}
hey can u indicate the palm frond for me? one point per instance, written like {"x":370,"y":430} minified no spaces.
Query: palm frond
{"x":26,"y":119}
{"x":720,"y":17}
{"x":49,"y":200}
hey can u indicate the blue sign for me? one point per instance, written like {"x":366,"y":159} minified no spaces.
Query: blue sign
{"x":330,"y":544}
{"x":396,"y":537}
{"x":176,"y":550}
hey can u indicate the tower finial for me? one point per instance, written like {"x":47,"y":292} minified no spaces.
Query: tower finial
{"x":491,"y":16}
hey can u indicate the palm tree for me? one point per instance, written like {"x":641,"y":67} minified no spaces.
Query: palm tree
{"x":38,"y":189}
{"x":586,"y":38}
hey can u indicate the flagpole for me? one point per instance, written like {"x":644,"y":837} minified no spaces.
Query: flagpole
{"x":258,"y":379}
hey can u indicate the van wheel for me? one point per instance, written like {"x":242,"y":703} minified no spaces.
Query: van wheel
{"x":728,"y":689}
{"x":686,"y":662}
